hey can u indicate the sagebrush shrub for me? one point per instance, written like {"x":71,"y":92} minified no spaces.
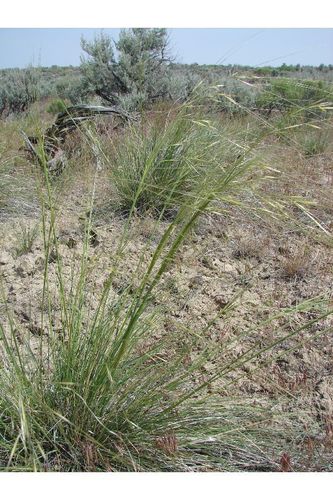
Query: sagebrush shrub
{"x":18,"y":90}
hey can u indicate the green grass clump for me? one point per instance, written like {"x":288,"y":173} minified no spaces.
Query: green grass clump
{"x":315,"y":143}
{"x":287,"y":93}
{"x":157,"y":168}
{"x":25,"y":239}
{"x":17,"y":194}
{"x":56,"y":106}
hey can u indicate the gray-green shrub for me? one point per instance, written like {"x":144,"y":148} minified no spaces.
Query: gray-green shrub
{"x":138,"y":68}
{"x":18,"y":90}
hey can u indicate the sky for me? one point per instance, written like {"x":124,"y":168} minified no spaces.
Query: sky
{"x":247,"y":46}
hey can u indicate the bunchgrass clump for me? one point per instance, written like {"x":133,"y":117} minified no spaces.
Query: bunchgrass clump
{"x":158,"y":168}
{"x":56,"y":106}
{"x":25,"y":239}
{"x":315,"y":143}
{"x":18,"y":195}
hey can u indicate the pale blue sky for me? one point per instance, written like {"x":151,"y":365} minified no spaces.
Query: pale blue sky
{"x":248,"y":46}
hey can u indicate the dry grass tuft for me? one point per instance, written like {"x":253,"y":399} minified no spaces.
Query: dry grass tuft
{"x":285,"y":463}
{"x":167,"y":443}
{"x":250,"y":246}
{"x":297,"y":264}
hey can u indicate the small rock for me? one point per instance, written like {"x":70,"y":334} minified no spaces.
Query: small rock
{"x":53,"y":256}
{"x":228,"y":268}
{"x":25,"y":267}
{"x":6,"y":258}
{"x":93,"y":238}
{"x":196,"y":281}
{"x":39,"y":263}
{"x":71,"y":242}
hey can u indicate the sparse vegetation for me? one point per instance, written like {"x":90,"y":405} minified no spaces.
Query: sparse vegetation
{"x":25,"y":239}
{"x":166,"y":301}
